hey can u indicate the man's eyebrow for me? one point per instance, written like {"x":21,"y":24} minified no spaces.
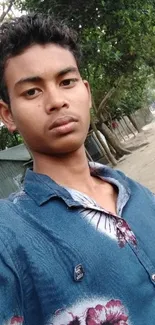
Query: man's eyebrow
{"x":28,"y":79}
{"x":39,"y":79}
{"x":67,"y":70}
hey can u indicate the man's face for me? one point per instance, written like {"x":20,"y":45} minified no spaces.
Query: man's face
{"x":50,"y":103}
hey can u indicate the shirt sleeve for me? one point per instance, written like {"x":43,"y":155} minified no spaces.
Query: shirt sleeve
{"x":10,"y":292}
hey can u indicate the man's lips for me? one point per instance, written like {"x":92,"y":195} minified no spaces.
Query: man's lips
{"x":61,"y":121}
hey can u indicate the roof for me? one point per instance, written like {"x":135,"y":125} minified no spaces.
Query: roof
{"x":17,"y":153}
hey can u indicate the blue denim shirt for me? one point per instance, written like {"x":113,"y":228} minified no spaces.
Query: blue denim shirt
{"x":57,"y":268}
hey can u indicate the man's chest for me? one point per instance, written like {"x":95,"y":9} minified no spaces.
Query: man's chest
{"x":68,"y":261}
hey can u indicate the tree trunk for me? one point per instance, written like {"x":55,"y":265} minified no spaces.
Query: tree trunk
{"x":120,"y":133}
{"x":134,"y":123}
{"x":5,"y":12}
{"x":103,"y":146}
{"x":112,"y":150}
{"x":100,"y":146}
{"x":88,"y":155}
{"x":128,"y":126}
{"x":124,"y":130}
{"x":112,"y":140}
{"x":104,"y":149}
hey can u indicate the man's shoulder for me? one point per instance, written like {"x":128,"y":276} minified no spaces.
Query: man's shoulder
{"x":11,"y":219}
{"x":133,"y":186}
{"x":5,"y":205}
{"x":137,"y":190}
{"x":8,"y":205}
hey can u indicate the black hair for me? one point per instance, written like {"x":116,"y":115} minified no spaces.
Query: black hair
{"x":19,"y":33}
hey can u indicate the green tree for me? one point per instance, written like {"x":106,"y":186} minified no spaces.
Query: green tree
{"x":114,"y":34}
{"x":118,"y":39}
{"x":7,"y":9}
{"x":7,"y":139}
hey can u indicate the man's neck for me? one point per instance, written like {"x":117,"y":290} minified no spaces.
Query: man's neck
{"x":71,"y":170}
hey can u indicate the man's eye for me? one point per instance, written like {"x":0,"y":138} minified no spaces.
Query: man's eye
{"x":68,"y":82}
{"x":32,"y":92}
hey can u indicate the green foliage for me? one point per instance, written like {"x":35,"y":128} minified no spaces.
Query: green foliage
{"x":8,"y":140}
{"x":118,"y":40}
{"x":132,"y":95}
{"x":150,"y":90}
{"x":8,"y":9}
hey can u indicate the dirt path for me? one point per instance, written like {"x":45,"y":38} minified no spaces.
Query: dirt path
{"x":140,"y":165}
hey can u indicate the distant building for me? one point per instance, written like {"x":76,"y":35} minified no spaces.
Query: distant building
{"x":13,"y":164}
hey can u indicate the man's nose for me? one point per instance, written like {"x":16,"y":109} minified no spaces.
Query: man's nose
{"x":55,"y":99}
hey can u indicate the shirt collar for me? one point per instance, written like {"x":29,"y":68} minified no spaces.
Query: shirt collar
{"x":41,"y":188}
{"x":116,"y":178}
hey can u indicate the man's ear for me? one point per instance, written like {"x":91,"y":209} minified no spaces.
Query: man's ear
{"x":6,"y":116}
{"x":86,"y":83}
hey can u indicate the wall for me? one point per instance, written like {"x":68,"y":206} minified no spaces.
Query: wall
{"x":143,"y":116}
{"x":11,"y":173}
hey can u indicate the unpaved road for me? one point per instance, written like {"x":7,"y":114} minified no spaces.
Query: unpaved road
{"x":140,"y":165}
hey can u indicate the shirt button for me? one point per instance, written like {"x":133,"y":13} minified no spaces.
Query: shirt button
{"x":78,"y":272}
{"x":153,"y":277}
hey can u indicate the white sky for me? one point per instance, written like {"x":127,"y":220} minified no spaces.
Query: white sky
{"x":14,"y":11}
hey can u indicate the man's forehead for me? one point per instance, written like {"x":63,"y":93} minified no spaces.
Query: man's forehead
{"x":38,"y":60}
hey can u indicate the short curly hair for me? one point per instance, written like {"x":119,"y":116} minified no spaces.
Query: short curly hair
{"x":19,"y":33}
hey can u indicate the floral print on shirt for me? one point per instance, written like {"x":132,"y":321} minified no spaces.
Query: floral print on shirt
{"x":15,"y":320}
{"x":104,"y":221}
{"x":93,"y":312}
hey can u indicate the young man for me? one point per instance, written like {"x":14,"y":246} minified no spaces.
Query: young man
{"x":77,"y":243}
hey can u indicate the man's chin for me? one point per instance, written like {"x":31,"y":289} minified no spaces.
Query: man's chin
{"x":65,"y":148}
{"x":58,"y":149}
